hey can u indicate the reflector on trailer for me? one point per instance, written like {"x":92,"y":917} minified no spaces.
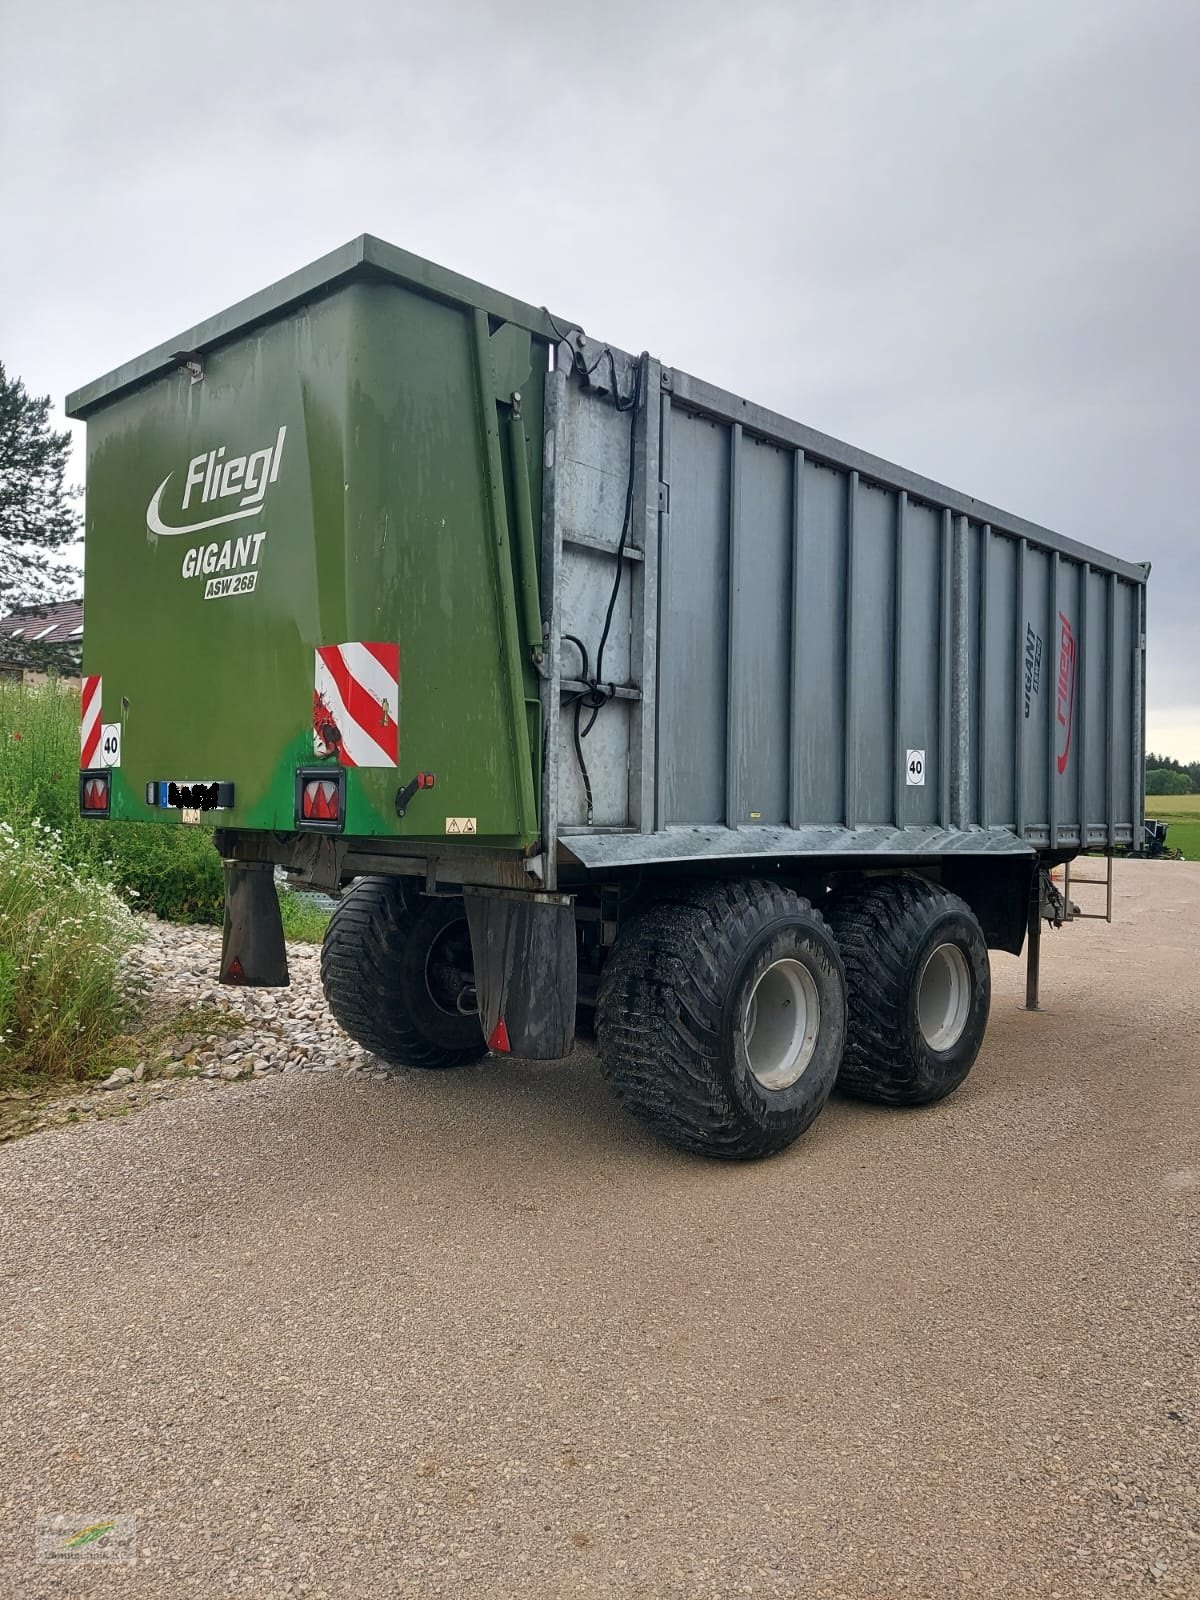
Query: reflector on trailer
{"x":320,"y":798}
{"x":93,"y":794}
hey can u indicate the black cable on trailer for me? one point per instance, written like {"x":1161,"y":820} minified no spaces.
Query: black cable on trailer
{"x":630,"y":405}
{"x":577,"y":700}
{"x":597,"y":694}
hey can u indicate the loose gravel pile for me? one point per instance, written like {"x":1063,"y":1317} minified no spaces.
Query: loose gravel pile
{"x":200,"y":1034}
{"x":283,"y":1030}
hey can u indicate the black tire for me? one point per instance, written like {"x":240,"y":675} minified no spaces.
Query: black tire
{"x":672,"y":1019}
{"x":888,"y":931}
{"x":390,"y":965}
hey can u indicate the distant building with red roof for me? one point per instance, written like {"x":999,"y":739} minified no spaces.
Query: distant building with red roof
{"x":37,"y":642}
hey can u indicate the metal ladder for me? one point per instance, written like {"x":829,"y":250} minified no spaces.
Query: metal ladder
{"x":1105,"y":883}
{"x":1063,"y":910}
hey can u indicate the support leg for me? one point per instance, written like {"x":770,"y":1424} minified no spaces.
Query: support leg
{"x":1033,"y":949}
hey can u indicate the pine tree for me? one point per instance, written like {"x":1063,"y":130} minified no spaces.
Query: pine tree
{"x":38,"y":517}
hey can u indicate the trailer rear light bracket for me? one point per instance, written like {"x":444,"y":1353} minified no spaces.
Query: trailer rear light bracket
{"x":423,"y":780}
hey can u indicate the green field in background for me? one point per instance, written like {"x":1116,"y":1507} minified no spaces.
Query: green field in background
{"x":1181,"y":813}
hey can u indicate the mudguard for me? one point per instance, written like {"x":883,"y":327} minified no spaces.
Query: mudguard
{"x":253,"y":952}
{"x":526,"y":968}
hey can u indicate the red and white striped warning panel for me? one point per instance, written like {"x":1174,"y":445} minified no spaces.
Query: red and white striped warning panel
{"x":89,"y":726}
{"x":356,"y":702}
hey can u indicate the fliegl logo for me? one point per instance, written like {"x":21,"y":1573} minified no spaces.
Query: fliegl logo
{"x":1066,"y":690}
{"x":229,"y":489}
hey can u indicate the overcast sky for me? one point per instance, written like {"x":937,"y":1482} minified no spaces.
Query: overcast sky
{"x":964,"y":234}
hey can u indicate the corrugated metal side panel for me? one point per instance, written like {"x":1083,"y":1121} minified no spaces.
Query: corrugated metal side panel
{"x":869,"y":711}
{"x":817,"y":722}
{"x":760,"y":643}
{"x":836,"y":648}
{"x":1001,"y":657}
{"x":1001,"y":671}
{"x":694,"y":624}
{"x":1093,"y":700}
{"x":1124,"y":803}
{"x":918,"y":665}
{"x":1034,"y":722}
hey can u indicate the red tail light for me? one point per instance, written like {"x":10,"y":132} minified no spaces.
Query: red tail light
{"x":320,"y":801}
{"x":320,"y":798}
{"x":93,"y":794}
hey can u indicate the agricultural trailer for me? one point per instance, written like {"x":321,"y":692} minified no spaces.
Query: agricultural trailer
{"x":602,"y":698}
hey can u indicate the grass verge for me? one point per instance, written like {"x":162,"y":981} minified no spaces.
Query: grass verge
{"x":172,"y":871}
{"x":64,"y":997}
{"x":67,"y":889}
{"x":164,"y":1049}
{"x":302,"y":920}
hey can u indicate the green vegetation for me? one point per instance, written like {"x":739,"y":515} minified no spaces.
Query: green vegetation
{"x":1181,"y":813}
{"x":1162,"y":781}
{"x":302,"y":920}
{"x":38,"y":515}
{"x":1157,"y":763}
{"x":173,"y":872}
{"x":63,"y":932}
{"x":1185,"y":836}
{"x":67,"y":892}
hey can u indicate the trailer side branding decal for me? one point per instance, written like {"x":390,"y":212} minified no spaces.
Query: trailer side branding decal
{"x":212,"y":481}
{"x":247,"y":476}
{"x":1066,"y":690}
{"x":356,"y":702}
{"x":1033,"y":666}
{"x":89,"y":721}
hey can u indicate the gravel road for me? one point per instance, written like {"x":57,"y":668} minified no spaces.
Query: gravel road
{"x":475,"y":1335}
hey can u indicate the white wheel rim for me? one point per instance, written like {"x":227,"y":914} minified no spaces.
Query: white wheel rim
{"x":781,"y":1024}
{"x":944,"y":997}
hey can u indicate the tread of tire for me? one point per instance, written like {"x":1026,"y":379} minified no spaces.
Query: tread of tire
{"x":876,"y":928}
{"x":659,"y":1016}
{"x":363,"y":946}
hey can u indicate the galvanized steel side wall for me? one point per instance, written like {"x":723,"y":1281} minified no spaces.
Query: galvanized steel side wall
{"x":828,"y":639}
{"x":586,"y":470}
{"x":808,"y":638}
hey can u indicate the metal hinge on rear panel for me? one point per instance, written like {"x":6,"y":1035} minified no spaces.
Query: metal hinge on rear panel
{"x":664,"y":497}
